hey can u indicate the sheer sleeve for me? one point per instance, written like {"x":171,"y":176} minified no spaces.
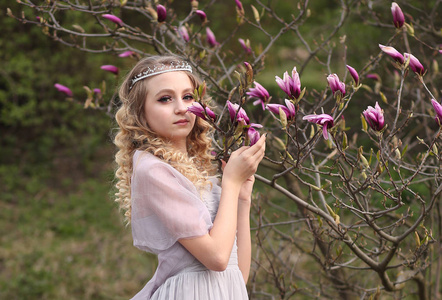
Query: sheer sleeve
{"x":165,"y":205}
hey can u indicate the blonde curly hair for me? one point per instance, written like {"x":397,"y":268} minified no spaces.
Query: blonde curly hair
{"x":135,"y":134}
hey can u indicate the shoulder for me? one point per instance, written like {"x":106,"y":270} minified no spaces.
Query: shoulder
{"x":146,"y":164}
{"x":143,"y":158}
{"x":148,"y":167}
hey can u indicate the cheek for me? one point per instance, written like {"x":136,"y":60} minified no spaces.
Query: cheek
{"x":147,"y":118}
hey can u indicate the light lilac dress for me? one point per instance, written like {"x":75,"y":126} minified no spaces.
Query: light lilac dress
{"x":166,"y":207}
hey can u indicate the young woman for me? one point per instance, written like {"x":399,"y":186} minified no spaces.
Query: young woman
{"x":168,"y":188}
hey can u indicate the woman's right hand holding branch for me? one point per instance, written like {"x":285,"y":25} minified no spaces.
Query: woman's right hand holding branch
{"x":214,"y":249}
{"x":244,"y":162}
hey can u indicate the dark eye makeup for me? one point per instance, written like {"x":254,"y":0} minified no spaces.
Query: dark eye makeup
{"x":165,"y":99}
{"x":188,"y":97}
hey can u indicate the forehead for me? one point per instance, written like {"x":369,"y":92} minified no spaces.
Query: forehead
{"x":169,"y":80}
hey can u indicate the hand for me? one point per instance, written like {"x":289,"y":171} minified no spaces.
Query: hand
{"x":243,"y":164}
{"x":245,"y":194}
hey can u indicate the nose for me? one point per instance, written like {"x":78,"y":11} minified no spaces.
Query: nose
{"x":180,"y":107}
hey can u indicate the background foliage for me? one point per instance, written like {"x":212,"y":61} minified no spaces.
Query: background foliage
{"x":61,"y":235}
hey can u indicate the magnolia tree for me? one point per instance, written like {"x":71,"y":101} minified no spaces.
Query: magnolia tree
{"x":352,"y":174}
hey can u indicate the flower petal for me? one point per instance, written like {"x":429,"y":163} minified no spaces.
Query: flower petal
{"x":398,"y":15}
{"x":113,"y":18}
{"x":63,"y":89}
{"x":162,"y":13}
{"x":110,"y":68}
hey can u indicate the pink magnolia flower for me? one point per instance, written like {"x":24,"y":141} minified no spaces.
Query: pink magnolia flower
{"x":211,"y":39}
{"x":110,"y":68}
{"x":289,"y":109}
{"x":290,"y":85}
{"x":126,"y":54}
{"x":64,"y":89}
{"x":398,"y":15}
{"x":113,"y":18}
{"x":182,"y":30}
{"x":245,"y":45}
{"x":162,"y":13}
{"x":253,"y":135}
{"x":374,"y":117}
{"x":239,"y":4}
{"x":438,"y":108}
{"x":415,"y":64}
{"x":393,"y":53}
{"x":236,"y":111}
{"x":202,"y":15}
{"x":323,"y":119}
{"x":201,"y":111}
{"x":353,"y":74}
{"x":259,"y":92}
{"x":97,"y":91}
{"x":373,"y":76}
{"x":335,"y":84}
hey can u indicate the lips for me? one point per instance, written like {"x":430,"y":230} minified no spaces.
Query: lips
{"x":182,"y":122}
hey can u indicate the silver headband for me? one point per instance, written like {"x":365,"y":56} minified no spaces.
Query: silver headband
{"x":160,"y":69}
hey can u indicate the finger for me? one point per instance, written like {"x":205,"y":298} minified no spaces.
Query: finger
{"x":259,"y":147}
{"x":240,"y":151}
{"x":259,"y":155}
{"x":260,"y":143}
{"x":251,"y":178}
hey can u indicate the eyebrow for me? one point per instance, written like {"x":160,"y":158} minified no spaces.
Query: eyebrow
{"x":167,"y":90}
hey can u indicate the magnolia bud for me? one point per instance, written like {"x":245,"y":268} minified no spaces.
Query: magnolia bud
{"x":255,"y":14}
{"x":194,"y":4}
{"x":283,"y":118}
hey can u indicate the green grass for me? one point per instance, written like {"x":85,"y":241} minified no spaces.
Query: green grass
{"x":69,"y":245}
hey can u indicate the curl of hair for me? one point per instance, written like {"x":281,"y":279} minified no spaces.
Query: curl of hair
{"x":134,"y":134}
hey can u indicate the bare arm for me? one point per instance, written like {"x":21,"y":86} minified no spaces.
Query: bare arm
{"x":243,"y":238}
{"x":214,"y":249}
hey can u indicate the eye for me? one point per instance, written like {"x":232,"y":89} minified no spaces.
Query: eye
{"x":188,"y":97}
{"x":165,"y":99}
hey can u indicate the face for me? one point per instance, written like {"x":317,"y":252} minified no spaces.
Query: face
{"x":165,"y":107}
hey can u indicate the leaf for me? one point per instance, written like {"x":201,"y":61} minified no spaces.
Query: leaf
{"x":90,"y":97}
{"x":421,"y":141}
{"x":202,"y":54}
{"x":255,"y":14}
{"x":417,"y":239}
{"x":312,"y":131}
{"x":279,"y":144}
{"x":79,"y":28}
{"x":344,"y":141}
{"x":364,"y":123}
{"x":384,"y":99}
{"x":410,"y":29}
{"x":103,"y":87}
{"x":202,"y":90}
{"x":405,"y":150}
{"x":282,"y":118}
{"x":339,"y":251}
{"x":330,"y":210}
{"x":300,"y":96}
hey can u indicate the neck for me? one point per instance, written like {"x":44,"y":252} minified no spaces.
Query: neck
{"x":181,"y":147}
